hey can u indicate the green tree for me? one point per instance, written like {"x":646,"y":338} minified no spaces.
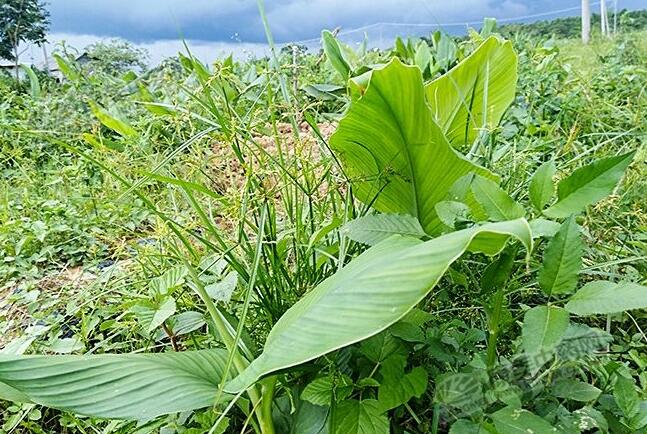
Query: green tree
{"x":116,"y":57}
{"x":21,"y":21}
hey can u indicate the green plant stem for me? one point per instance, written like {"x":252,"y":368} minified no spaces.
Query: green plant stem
{"x":495,"y":318}
{"x":221,"y":327}
{"x":435,"y":420}
{"x":268,"y":387}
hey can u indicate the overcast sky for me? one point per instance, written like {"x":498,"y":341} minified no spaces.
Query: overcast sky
{"x":218,"y":26}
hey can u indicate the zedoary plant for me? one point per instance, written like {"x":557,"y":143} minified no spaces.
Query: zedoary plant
{"x":399,"y":145}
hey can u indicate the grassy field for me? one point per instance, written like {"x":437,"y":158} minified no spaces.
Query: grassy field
{"x":349,"y":256}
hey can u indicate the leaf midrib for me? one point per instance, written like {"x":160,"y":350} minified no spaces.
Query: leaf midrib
{"x":406,"y":147}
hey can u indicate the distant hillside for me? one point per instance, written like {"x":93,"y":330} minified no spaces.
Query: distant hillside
{"x":571,"y":27}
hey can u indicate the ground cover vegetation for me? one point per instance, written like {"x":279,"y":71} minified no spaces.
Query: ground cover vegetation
{"x":446,"y":236}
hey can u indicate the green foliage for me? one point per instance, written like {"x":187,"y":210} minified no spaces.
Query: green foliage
{"x":600,"y":297}
{"x":517,"y":421}
{"x":360,"y":417}
{"x":21,"y":21}
{"x":575,"y":390}
{"x":471,"y":98}
{"x":569,"y":27}
{"x":337,"y":54}
{"x":588,"y":185}
{"x":115,"y":57}
{"x":33,"y":81}
{"x":212,"y":223}
{"x":372,"y":229}
{"x":495,"y":202}
{"x":541,"y":185}
{"x":386,"y":142}
{"x":562,"y":260}
{"x":543,"y":329}
{"x":116,"y":386}
{"x":327,"y":318}
{"x":115,"y":124}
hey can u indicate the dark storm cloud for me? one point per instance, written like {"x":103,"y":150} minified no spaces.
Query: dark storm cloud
{"x":231,"y":20}
{"x":147,"y":20}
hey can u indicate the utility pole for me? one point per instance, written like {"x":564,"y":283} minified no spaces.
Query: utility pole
{"x":586,"y":21}
{"x":604,"y":20}
{"x":46,"y":59}
{"x":615,"y":17}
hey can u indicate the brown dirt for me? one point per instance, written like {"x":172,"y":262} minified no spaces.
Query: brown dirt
{"x":229,"y":175}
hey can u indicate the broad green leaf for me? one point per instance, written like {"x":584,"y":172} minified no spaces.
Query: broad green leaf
{"x":322,"y":232}
{"x":34,"y":84}
{"x":462,"y":192}
{"x":394,"y":153}
{"x":377,"y":348}
{"x":163,"y":312}
{"x":99,"y":142}
{"x":326,"y":92}
{"x":473,"y":95}
{"x":68,"y":70}
{"x":589,"y":417}
{"x":446,"y":50}
{"x":626,"y":396}
{"x":223,"y":289}
{"x":159,"y":109}
{"x":580,"y":340}
{"x":489,"y":25}
{"x":401,"y":48}
{"x":310,"y":419}
{"x":575,"y":390}
{"x":407,"y":331}
{"x":541,"y":227}
{"x":128,"y":386}
{"x":186,"y":322}
{"x":374,"y":291}
{"x":541,"y":185}
{"x":560,"y":269}
{"x":588,"y":184}
{"x":519,"y":421}
{"x":543,"y":328}
{"x":604,"y":297}
{"x":417,"y":317}
{"x":451,"y":212}
{"x":8,"y":393}
{"x":465,"y":426}
{"x":423,"y":57}
{"x":117,"y":125}
{"x":320,"y":391}
{"x":461,"y":390}
{"x":498,"y":271}
{"x":66,"y":345}
{"x":498,"y":205}
{"x":169,"y":280}
{"x":398,"y":387}
{"x":372,"y":229}
{"x":335,"y":54}
{"x":144,"y":311}
{"x":639,"y":421}
{"x":359,"y":417}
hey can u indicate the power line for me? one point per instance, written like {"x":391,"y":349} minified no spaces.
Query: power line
{"x":449,"y":24}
